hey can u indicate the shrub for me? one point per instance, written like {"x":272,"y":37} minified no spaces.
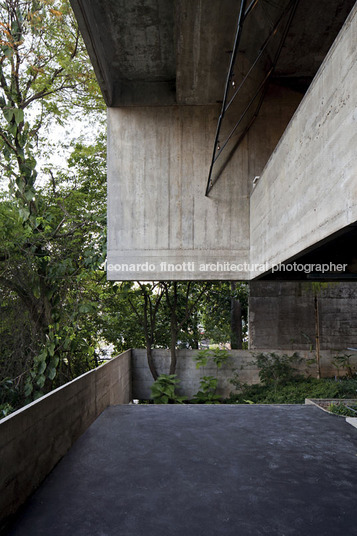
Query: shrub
{"x":217,"y":355}
{"x":276,"y":369}
{"x":294,"y":391}
{"x":341,"y":409}
{"x":163,"y":390}
{"x":344,"y":362}
{"x":207,"y":393}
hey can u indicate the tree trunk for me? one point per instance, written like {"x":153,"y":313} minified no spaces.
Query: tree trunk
{"x":150,"y":359}
{"x":317,"y":337}
{"x":173,"y":342}
{"x":236,"y":322}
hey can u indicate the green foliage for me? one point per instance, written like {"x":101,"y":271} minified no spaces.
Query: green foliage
{"x":5,"y":410}
{"x":342,"y":409}
{"x":220,"y":357}
{"x":202,"y":357}
{"x":344,"y":362}
{"x":215,"y":314}
{"x":347,"y":388}
{"x":9,"y":397}
{"x":276,"y":369}
{"x":217,"y":355}
{"x":49,"y":277}
{"x":163,"y":390}
{"x":292,"y":392}
{"x":207,"y":393}
{"x":208,"y":384}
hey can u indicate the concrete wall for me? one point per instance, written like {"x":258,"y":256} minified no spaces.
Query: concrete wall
{"x":157,"y":172}
{"x":158,"y":163}
{"x":281,"y":315}
{"x":240,"y":362}
{"x":34,"y":438}
{"x":308,"y":189}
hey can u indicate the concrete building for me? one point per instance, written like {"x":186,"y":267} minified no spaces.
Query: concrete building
{"x":226,"y":176}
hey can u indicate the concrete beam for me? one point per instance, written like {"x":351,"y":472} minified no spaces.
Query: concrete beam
{"x":160,"y":52}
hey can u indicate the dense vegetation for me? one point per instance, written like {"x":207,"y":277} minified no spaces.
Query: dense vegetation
{"x":58,"y":312}
{"x":280,"y":383}
{"x":295,"y":391}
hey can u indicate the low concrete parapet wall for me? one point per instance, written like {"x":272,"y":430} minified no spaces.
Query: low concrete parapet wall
{"x":34,"y":438}
{"x":240,"y":362}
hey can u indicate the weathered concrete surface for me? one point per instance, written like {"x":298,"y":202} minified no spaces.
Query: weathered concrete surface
{"x":157,"y":168}
{"x":308,"y":189}
{"x":282,"y":315}
{"x":34,"y":438}
{"x":164,"y":65}
{"x":160,"y":52}
{"x":202,"y":470}
{"x":240,"y":362}
{"x":157,"y":171}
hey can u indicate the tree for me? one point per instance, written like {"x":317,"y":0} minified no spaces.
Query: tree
{"x":182,"y":300}
{"x":224,"y":315}
{"x":145,"y":299}
{"x":52,"y":237}
{"x":157,"y":315}
{"x":51,"y":275}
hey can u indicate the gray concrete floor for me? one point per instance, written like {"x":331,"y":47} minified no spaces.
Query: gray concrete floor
{"x":202,"y":471}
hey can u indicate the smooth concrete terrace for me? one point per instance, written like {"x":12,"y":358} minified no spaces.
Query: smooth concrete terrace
{"x":202,"y":471}
{"x":191,"y":469}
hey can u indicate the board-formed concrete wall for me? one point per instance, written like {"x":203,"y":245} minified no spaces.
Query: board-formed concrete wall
{"x":34,"y":438}
{"x":158,"y":160}
{"x":282,"y":315}
{"x":240,"y":362}
{"x":308,"y":190}
{"x":158,"y":215}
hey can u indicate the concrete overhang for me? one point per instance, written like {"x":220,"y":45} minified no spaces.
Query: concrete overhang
{"x":164,"y":52}
{"x":162,"y":66}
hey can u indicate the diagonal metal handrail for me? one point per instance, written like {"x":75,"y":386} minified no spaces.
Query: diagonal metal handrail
{"x":233,"y":57}
{"x":242,"y":14}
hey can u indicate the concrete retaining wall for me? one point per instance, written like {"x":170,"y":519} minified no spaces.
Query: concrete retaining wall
{"x":34,"y":438}
{"x":282,"y":315}
{"x":240,"y":362}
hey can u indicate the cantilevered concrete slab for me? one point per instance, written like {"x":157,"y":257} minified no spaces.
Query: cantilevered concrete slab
{"x":202,"y":470}
{"x":162,"y":68}
{"x":157,"y":52}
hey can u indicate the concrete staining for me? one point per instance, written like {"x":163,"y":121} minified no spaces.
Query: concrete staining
{"x":162,"y":66}
{"x":308,"y":190}
{"x":202,"y":471}
{"x":157,"y":171}
{"x":282,"y":315}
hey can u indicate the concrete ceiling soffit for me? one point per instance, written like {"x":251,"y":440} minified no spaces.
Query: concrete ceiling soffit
{"x":163,"y":52}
